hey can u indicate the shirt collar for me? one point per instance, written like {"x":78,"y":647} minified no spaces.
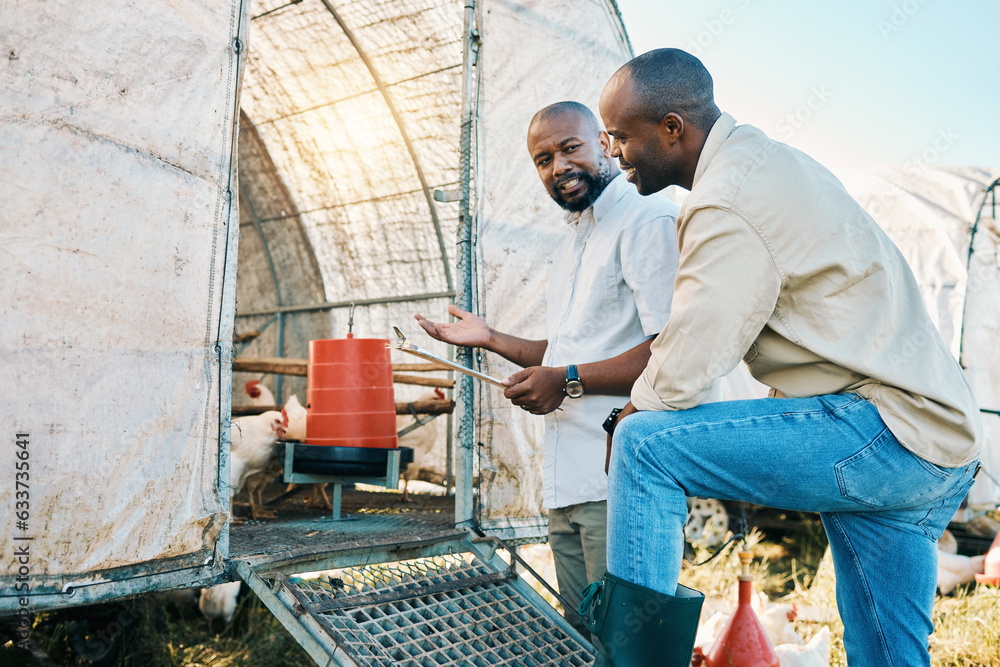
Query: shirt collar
{"x":613,"y":193}
{"x":716,"y":137}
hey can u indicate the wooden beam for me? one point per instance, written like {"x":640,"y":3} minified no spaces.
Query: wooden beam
{"x":423,"y":382}
{"x":417,"y":368}
{"x":426,"y":407}
{"x":276,"y":365}
{"x":288,"y":366}
{"x":421,"y":407}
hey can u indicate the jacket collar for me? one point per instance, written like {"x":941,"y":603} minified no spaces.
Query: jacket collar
{"x":717,"y":136}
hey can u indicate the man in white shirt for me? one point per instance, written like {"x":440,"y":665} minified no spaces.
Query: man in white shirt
{"x":871,"y":422}
{"x":608,"y":294}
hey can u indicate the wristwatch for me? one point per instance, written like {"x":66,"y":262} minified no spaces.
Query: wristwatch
{"x":609,"y":423}
{"x":574,"y":385}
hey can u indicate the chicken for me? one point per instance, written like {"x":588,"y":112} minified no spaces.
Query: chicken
{"x":258,"y":393}
{"x":777,"y":623}
{"x":947,"y":543}
{"x":254,"y":486}
{"x":954,"y":570}
{"x":708,"y":631}
{"x":421,"y":440}
{"x":815,"y":653}
{"x":219,"y":602}
{"x":296,"y":415}
{"x":252,"y":449}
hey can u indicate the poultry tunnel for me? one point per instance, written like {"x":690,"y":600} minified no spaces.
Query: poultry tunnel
{"x":194,"y":191}
{"x":197,"y":191}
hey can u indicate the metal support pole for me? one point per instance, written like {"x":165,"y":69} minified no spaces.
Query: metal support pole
{"x":465,"y":450}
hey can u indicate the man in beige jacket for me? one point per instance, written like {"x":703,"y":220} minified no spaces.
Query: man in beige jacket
{"x":871,"y":422}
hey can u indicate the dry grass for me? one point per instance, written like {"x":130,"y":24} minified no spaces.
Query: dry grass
{"x":789,"y":568}
{"x":793,"y":570}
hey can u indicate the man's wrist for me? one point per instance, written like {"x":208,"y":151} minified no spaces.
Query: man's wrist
{"x":573,"y":386}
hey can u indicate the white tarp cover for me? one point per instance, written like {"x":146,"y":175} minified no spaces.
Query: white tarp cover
{"x":117,"y":134}
{"x":929,"y":212}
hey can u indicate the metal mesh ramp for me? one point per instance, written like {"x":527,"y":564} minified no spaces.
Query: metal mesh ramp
{"x":441,"y":611}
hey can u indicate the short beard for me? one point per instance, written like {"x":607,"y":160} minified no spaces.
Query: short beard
{"x":595,"y":187}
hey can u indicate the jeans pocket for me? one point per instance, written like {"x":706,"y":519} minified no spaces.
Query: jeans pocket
{"x":885,"y":475}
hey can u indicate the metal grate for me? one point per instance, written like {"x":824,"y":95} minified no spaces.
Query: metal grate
{"x":449,"y":610}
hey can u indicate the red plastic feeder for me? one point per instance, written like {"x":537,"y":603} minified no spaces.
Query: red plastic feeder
{"x":742,"y":642}
{"x":350,"y":395}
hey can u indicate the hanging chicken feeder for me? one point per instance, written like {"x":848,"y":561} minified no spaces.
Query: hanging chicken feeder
{"x":351,"y":425}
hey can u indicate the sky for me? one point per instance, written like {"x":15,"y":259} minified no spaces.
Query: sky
{"x":853,"y":83}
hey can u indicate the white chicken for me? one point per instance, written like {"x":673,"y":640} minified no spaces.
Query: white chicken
{"x":258,"y":393}
{"x":254,"y":486}
{"x":253,"y":441}
{"x":777,"y":623}
{"x":954,"y":570}
{"x":421,"y":440}
{"x":219,"y":602}
{"x":708,"y":631}
{"x":296,"y":415}
{"x":815,"y":653}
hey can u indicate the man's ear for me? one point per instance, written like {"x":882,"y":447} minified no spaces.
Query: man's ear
{"x":605,"y":140}
{"x":672,"y":127}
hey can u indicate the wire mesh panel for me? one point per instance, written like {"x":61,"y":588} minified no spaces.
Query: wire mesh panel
{"x":449,"y":610}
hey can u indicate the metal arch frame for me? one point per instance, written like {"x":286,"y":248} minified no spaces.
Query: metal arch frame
{"x":620,"y":24}
{"x":401,"y":125}
{"x":990,"y":189}
{"x":280,"y":312}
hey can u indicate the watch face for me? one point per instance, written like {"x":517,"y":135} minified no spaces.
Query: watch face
{"x":574,"y":389}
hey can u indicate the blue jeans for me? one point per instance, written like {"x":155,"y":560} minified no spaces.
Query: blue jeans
{"x":883,"y":507}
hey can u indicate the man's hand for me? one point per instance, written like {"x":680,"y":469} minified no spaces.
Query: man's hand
{"x":538,"y":389}
{"x":629,"y":409}
{"x":470,"y":330}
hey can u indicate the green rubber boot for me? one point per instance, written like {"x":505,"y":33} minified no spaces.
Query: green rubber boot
{"x":636,"y":626}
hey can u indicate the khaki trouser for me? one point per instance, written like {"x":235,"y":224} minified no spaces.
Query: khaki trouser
{"x":578,"y":539}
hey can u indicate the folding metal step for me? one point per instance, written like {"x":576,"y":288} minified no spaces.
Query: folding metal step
{"x":464,"y":608}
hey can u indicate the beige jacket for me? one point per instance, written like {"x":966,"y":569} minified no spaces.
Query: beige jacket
{"x":780,"y":267}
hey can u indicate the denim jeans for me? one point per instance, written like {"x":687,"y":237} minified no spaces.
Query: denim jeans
{"x":883,"y":507}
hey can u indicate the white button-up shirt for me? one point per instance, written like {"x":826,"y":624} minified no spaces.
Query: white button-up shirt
{"x":609,"y":290}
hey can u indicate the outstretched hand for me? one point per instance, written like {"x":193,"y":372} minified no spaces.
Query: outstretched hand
{"x":470,"y":330}
{"x":538,"y":389}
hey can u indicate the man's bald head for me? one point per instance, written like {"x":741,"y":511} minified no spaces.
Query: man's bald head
{"x":671,"y":80}
{"x":560,"y":108}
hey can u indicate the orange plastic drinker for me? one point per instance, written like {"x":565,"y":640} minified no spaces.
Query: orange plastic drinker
{"x":742,"y":642}
{"x":991,"y":566}
{"x":350,"y":394}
